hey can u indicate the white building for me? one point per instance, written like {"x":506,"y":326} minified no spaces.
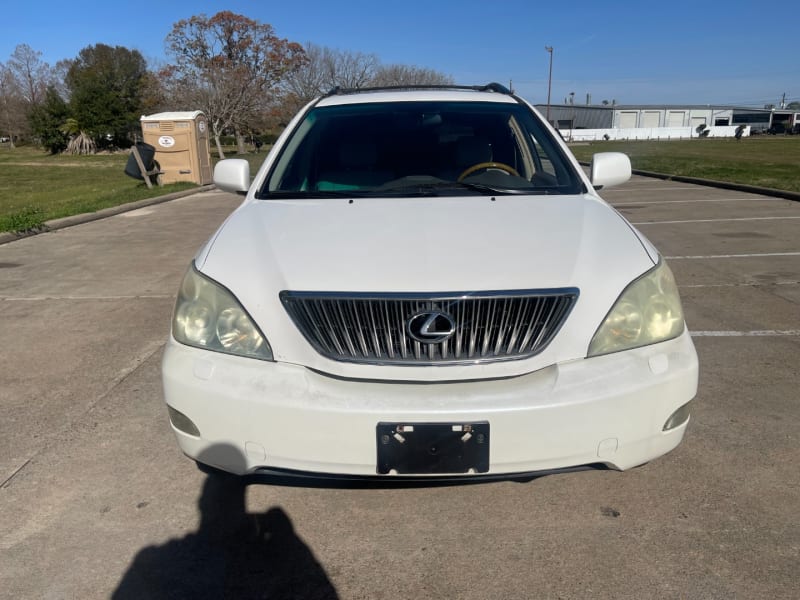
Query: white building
{"x":625,"y":116}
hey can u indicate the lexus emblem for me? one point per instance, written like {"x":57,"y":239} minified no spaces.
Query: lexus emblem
{"x":431,"y":326}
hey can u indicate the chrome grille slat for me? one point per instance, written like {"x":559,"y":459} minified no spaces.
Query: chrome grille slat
{"x":515,"y":330}
{"x":503,"y":331}
{"x":531,"y":324}
{"x":331,"y":331}
{"x":388,"y":330}
{"x":372,"y":328}
{"x":459,"y":335}
{"x":489,"y":331}
{"x":402,"y":332}
{"x":339,"y":312}
{"x":473,"y":338}
{"x":310,"y":308}
{"x":362,"y":340}
{"x":545,"y":322}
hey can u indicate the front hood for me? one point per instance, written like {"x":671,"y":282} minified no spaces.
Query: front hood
{"x":418,"y":244}
{"x":474,"y":243}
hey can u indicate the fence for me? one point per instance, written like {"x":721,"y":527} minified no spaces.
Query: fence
{"x":649,"y":133}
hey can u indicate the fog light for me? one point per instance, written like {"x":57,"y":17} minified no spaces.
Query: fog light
{"x":182,"y":423}
{"x":679,"y":417}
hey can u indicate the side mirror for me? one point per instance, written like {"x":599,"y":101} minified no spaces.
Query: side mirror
{"x":610,"y":169}
{"x":232,"y":175}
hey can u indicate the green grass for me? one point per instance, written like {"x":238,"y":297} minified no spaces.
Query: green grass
{"x":766,"y":161}
{"x":255,"y":160}
{"x":36,"y":187}
{"x":30,"y":218}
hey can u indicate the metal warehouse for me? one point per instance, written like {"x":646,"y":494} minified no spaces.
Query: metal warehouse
{"x":628,"y":116}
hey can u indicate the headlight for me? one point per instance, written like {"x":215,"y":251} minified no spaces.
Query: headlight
{"x":648,"y":311}
{"x":208,"y":316}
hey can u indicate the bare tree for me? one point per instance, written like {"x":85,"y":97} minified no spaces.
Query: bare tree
{"x":12,"y":106}
{"x":30,"y":72}
{"x":58,"y":78}
{"x":225,"y":65}
{"x":409,"y":75}
{"x":23,"y":84}
{"x":309,"y":80}
{"x":326,"y":68}
{"x":352,"y":69}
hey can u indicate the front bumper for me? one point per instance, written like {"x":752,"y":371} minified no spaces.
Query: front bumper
{"x":254,"y":415}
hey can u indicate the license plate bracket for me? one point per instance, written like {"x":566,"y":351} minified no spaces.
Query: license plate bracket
{"x":432,"y":448}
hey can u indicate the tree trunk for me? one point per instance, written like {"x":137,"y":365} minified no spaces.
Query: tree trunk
{"x":219,"y":147}
{"x":240,"y":143}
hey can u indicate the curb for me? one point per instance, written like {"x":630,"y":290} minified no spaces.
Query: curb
{"x":726,"y":185}
{"x":55,"y":224}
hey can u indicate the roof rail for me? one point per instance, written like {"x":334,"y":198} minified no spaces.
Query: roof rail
{"x":489,"y":87}
{"x":497,"y":87}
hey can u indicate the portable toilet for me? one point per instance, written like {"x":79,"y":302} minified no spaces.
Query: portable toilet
{"x":181,"y":143}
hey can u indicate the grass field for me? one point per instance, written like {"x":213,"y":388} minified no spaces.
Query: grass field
{"x":766,"y":161}
{"x":36,"y":187}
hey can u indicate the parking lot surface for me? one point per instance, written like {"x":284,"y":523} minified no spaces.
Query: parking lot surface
{"x":96,"y":501}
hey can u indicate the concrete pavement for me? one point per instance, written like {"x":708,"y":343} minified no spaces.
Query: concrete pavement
{"x":96,"y":499}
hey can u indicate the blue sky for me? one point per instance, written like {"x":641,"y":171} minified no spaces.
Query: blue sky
{"x":734,"y":52}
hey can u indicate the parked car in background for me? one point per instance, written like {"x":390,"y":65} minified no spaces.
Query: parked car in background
{"x":423,"y":282}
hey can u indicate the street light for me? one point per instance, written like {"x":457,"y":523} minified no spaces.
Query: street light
{"x":549,"y":80}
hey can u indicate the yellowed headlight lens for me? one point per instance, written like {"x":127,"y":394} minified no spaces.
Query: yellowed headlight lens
{"x":647,"y":312}
{"x":208,"y":316}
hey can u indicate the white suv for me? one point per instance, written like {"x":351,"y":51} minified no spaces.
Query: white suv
{"x":423,"y":282}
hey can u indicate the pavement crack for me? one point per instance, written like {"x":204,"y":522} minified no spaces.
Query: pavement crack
{"x":124,"y":374}
{"x":139,"y":361}
{"x":8,"y":479}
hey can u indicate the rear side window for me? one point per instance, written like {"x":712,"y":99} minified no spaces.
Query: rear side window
{"x":376,"y":149}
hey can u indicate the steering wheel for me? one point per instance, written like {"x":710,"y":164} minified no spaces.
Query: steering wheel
{"x":488,"y":165}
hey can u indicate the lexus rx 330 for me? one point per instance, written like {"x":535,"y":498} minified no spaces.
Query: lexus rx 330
{"x":425,"y":283}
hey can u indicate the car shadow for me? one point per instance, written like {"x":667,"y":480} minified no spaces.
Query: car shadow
{"x":233,"y":554}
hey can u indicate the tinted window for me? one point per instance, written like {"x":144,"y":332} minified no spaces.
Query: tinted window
{"x":419,"y":148}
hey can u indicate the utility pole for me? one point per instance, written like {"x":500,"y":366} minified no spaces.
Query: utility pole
{"x":549,"y":81}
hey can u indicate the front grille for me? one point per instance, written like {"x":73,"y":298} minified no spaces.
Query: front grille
{"x":373,"y":328}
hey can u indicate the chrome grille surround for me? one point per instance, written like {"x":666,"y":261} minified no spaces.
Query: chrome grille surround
{"x":372,"y":327}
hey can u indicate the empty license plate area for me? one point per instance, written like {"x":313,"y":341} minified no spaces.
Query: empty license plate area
{"x":433,"y":448}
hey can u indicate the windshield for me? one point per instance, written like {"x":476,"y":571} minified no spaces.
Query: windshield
{"x":419,"y":149}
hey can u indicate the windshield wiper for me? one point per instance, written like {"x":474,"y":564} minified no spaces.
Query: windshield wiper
{"x":489,"y":189}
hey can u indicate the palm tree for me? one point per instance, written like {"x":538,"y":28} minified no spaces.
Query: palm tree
{"x":79,"y":141}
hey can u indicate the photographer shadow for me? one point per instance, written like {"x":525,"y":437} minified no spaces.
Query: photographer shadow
{"x":233,"y":554}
